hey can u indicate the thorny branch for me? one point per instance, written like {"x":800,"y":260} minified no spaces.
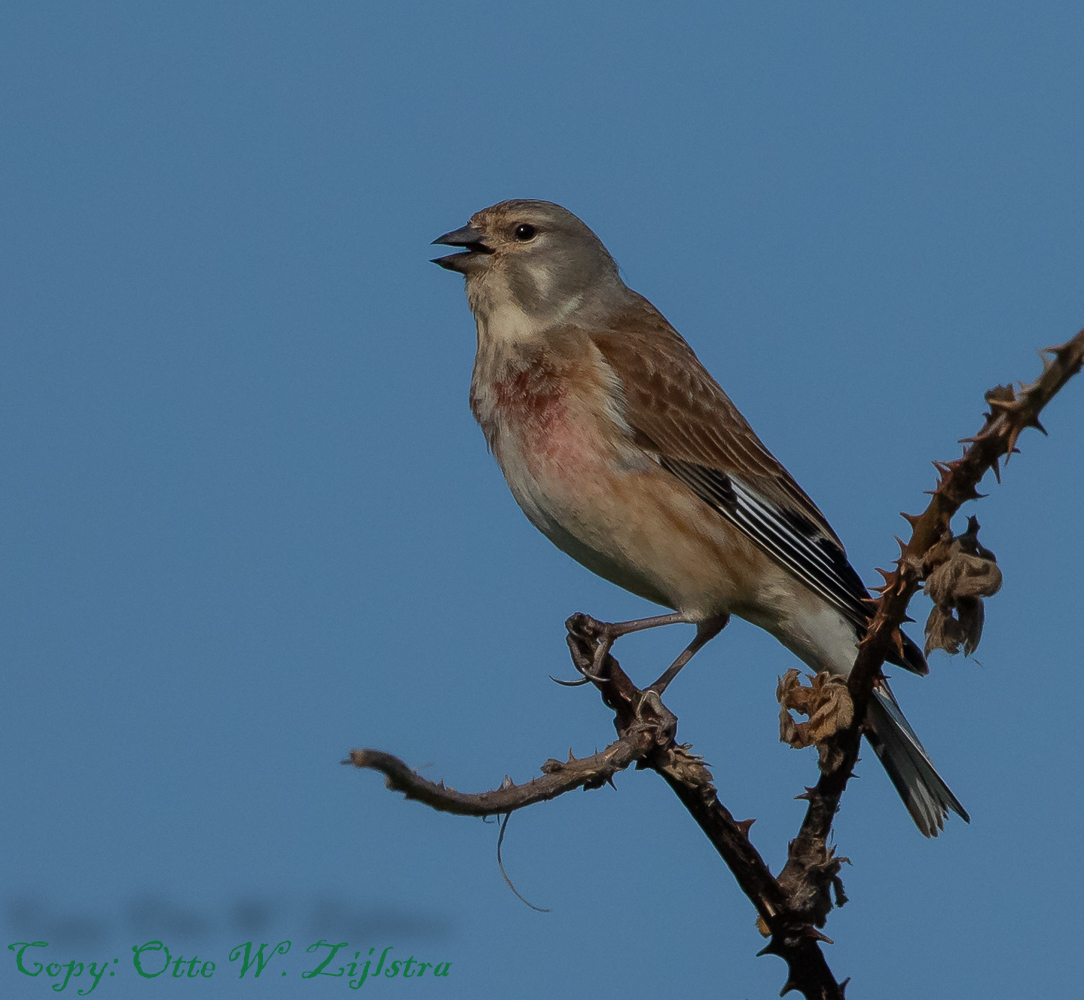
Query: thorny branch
{"x":793,"y":906}
{"x":1011,"y":412}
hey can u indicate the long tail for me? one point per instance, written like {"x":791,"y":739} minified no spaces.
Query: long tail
{"x":924,"y":792}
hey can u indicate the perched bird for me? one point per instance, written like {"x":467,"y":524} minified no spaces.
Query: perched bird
{"x":624,"y":452}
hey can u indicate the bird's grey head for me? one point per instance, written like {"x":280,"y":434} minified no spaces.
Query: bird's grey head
{"x":535,"y":257}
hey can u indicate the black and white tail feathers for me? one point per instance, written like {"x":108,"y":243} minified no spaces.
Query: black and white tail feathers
{"x":924,"y":792}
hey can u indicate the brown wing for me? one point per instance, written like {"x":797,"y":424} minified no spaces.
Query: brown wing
{"x":683,"y":418}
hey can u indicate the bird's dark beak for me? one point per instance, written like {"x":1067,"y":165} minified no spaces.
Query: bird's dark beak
{"x":472,"y":239}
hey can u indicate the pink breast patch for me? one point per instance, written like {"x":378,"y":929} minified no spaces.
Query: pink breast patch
{"x":537,"y":412}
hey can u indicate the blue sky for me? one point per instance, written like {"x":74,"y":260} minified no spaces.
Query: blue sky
{"x":247,"y":522}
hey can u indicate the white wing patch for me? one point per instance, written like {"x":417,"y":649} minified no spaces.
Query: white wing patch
{"x":806,"y":556}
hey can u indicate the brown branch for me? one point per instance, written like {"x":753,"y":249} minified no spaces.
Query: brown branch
{"x":558,"y":777}
{"x":683,"y":771}
{"x":646,"y":736}
{"x":792,"y":907}
{"x":794,"y":937}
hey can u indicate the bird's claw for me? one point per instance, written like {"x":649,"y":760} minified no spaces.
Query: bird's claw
{"x":583,"y":633}
{"x":657,"y":717}
{"x":571,"y":684}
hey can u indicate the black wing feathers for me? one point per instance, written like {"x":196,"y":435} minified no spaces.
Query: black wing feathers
{"x":795,"y":541}
{"x":792,"y":539}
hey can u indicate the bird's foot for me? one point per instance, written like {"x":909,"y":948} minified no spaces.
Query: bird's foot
{"x":653,"y":714}
{"x":589,"y":642}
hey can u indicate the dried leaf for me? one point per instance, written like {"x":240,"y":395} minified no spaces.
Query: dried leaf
{"x":959,"y":573}
{"x":826,"y":702}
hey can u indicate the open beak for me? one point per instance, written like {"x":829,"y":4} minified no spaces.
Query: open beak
{"x":473,"y":242}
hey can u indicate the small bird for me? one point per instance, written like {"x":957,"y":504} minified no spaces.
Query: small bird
{"x":624,"y":452}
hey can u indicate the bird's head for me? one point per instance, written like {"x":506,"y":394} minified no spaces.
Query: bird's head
{"x":534,"y":256}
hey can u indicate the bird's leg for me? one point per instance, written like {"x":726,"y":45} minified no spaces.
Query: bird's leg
{"x":605,"y":634}
{"x":609,"y":632}
{"x":706,"y":630}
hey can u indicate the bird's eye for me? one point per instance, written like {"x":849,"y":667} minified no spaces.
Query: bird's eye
{"x":524,"y":232}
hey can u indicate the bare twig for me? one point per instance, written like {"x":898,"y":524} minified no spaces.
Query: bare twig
{"x":558,"y":777}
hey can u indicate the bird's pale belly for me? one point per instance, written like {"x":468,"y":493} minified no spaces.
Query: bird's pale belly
{"x":617,"y":512}
{"x":639,"y":530}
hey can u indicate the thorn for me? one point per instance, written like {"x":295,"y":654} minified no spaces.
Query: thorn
{"x":744,"y":826}
{"x":816,"y":935}
{"x":908,"y":620}
{"x":807,"y":795}
{"x":1002,"y":404}
{"x":610,"y":782}
{"x":1034,"y":422}
{"x":570,"y":757}
{"x":508,"y":782}
{"x":997,"y":470}
{"x":903,"y":547}
{"x":911,"y":519}
{"x":789,"y":985}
